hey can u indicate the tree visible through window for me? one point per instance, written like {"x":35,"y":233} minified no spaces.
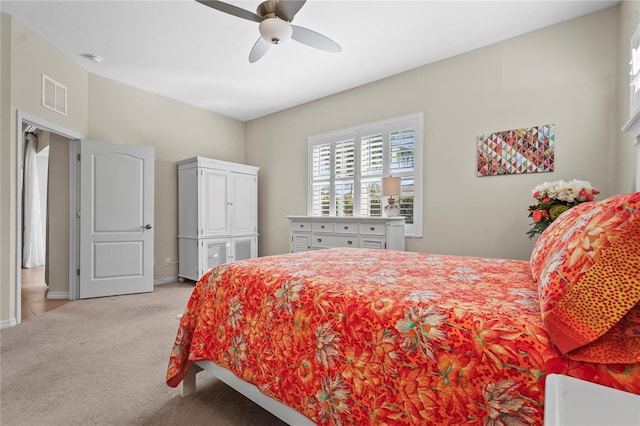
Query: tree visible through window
{"x":347,"y":167}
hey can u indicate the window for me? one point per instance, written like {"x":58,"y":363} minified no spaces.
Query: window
{"x":346,"y":168}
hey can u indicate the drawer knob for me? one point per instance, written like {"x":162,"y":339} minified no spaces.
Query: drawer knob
{"x":346,"y":227}
{"x":373,"y":228}
{"x":349,"y":242}
{"x":319,"y":240}
{"x":321,"y":226}
{"x":301,"y":226}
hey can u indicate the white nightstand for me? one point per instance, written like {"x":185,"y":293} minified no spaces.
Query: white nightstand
{"x":573,"y":402}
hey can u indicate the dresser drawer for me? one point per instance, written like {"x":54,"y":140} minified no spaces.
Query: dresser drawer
{"x":322,"y":227}
{"x":372,"y":228}
{"x":321,"y":232}
{"x":300,"y":225}
{"x":346,"y":228}
{"x":326,"y":241}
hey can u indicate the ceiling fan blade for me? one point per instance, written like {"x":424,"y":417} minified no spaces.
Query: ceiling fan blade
{"x":314,"y":39}
{"x":231,"y":10}
{"x":259,"y":49}
{"x":287,"y":9}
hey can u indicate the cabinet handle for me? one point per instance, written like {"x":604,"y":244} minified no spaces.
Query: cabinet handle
{"x":319,"y":240}
{"x":346,"y":227}
{"x":373,"y":228}
{"x":349,"y":242}
{"x":321,"y":226}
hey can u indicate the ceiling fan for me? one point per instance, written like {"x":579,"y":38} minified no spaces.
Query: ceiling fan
{"x":274,"y":17}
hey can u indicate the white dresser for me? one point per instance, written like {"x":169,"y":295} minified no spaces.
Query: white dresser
{"x":319,"y":232}
{"x":217,"y":214}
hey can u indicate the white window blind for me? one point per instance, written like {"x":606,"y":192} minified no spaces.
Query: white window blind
{"x":346,"y":168}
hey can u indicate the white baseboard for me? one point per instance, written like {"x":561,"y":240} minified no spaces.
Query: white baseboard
{"x":8,"y":323}
{"x":57,"y":295}
{"x":168,"y":280}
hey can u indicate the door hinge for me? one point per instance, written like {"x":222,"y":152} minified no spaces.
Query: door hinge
{"x":78,"y":272}
{"x":78,"y":157}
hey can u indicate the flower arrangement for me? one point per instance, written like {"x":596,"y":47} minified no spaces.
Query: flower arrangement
{"x":554,"y":198}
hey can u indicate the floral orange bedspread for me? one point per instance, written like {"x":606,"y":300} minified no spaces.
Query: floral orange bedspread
{"x":357,"y":336}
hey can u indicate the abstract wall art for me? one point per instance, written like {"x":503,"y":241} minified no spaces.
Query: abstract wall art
{"x":527,"y":150}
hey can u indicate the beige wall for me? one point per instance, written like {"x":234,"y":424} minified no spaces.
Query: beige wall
{"x":7,"y":219}
{"x":623,"y":168}
{"x":571,"y":74}
{"x":104,"y":110}
{"x":121,"y":114}
{"x":25,"y":57}
{"x":565,"y":74}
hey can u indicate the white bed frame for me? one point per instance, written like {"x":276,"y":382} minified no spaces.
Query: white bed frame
{"x":278,"y":409}
{"x":555,"y":388}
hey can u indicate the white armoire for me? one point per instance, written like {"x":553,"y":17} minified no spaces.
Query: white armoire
{"x":217,"y":214}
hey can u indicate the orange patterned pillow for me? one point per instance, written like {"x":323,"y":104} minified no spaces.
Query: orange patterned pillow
{"x":587,"y":267}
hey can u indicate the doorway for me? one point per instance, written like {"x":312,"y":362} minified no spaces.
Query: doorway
{"x":45,"y":273}
{"x":60,"y":249}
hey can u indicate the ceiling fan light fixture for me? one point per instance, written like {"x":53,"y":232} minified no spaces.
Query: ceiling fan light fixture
{"x":275,"y":30}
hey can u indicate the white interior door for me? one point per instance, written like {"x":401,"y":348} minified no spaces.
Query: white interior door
{"x":116,"y":219}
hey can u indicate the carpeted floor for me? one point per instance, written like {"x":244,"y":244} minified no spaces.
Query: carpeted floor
{"x":103,"y":362}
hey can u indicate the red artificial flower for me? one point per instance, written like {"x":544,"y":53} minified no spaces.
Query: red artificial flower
{"x":546,"y":200}
{"x":583,"y":193}
{"x":537,"y":215}
{"x":536,"y":194}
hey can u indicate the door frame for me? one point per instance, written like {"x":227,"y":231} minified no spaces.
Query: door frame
{"x":22,"y":119}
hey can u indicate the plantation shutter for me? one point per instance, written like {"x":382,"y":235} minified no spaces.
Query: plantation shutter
{"x":371,"y":167}
{"x":402,"y":164}
{"x":321,"y":176}
{"x":344,"y":166}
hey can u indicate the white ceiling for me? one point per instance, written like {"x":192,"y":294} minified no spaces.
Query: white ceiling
{"x":184,"y":50}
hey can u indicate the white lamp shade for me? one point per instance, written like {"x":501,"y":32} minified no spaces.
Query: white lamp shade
{"x":391,"y":186}
{"x":275,"y":30}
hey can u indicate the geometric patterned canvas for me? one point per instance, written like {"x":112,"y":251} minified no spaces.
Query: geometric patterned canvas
{"x":517,"y":151}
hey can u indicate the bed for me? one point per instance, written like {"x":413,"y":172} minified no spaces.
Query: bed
{"x":365,"y":336}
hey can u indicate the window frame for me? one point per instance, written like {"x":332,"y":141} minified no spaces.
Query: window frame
{"x":357,"y":133}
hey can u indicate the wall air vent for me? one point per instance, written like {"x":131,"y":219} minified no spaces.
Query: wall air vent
{"x":54,"y":95}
